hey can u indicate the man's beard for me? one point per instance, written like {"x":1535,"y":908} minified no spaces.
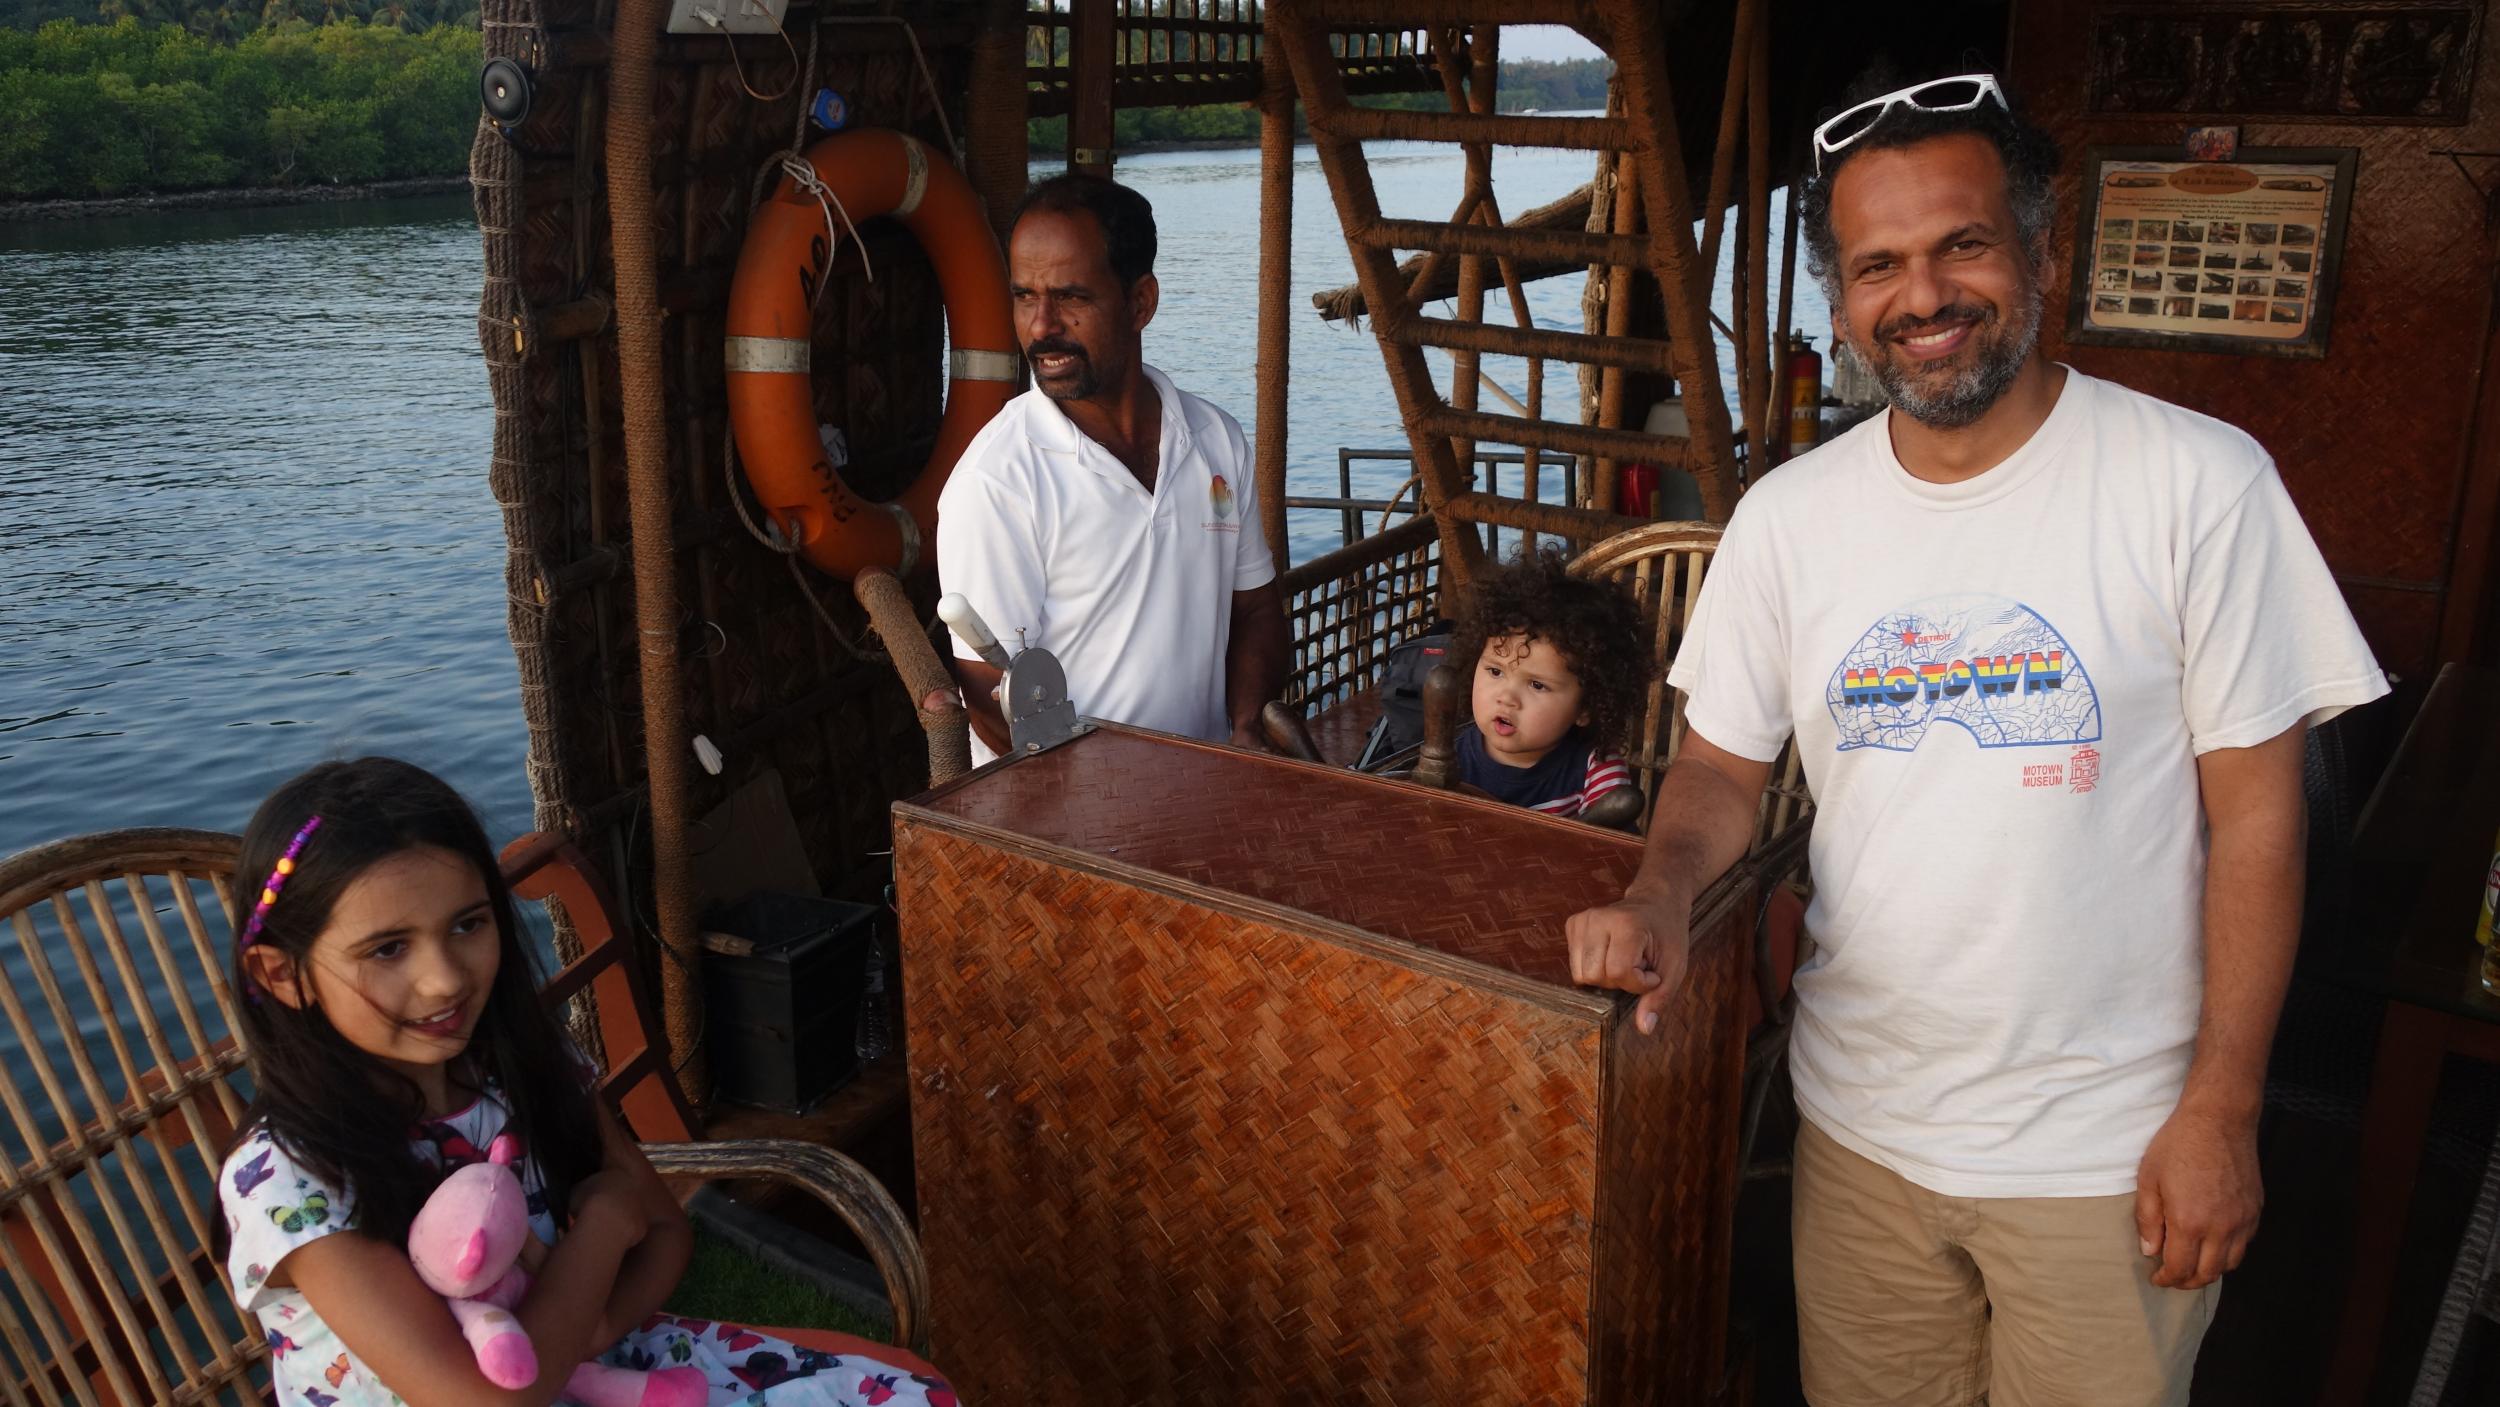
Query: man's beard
{"x":1952,"y":396}
{"x":1077,"y":384}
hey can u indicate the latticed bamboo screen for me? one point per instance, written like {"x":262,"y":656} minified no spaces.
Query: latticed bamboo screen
{"x":1179,"y":52}
{"x":1348,"y":607}
{"x":119,"y":1060}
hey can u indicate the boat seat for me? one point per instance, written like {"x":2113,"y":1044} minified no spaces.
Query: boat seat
{"x":122,"y":1084}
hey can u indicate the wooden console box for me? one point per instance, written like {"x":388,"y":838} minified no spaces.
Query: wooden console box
{"x":1237,"y":1080}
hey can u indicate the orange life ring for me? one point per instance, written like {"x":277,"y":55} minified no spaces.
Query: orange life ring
{"x":868,"y":172}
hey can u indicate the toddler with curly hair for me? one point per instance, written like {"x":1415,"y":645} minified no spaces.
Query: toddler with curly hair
{"x":1558,"y":672}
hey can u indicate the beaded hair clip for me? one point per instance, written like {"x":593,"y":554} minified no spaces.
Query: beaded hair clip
{"x":277,"y":880}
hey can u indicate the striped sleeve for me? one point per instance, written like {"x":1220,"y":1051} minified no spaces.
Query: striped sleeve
{"x":1605,"y":774}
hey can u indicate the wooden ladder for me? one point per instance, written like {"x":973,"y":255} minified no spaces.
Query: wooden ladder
{"x":1445,"y":429}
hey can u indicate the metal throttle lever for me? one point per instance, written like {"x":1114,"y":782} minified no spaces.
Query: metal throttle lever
{"x":1032,"y":689}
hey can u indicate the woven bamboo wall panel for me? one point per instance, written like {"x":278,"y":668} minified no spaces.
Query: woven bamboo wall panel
{"x":2372,"y":439}
{"x":760,"y":675}
{"x":1179,"y":1143}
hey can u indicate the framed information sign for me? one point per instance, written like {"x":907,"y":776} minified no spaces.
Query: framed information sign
{"x":2235,"y":256}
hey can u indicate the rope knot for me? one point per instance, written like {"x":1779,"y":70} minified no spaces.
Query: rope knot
{"x":802,"y":173}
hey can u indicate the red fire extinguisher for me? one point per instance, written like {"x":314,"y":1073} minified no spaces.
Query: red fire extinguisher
{"x":1805,"y":394}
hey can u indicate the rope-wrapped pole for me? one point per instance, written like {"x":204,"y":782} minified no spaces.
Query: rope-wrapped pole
{"x":634,"y":44}
{"x":1597,"y":289}
{"x":1275,"y":290}
{"x":1731,"y":119}
{"x":1605,"y":493}
{"x":932,"y":689}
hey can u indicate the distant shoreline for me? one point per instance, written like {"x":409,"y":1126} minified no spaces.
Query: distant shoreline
{"x":249,"y":197}
{"x":246,"y":197}
{"x":1190,"y":144}
{"x":1300,"y":139}
{"x":230,"y":198}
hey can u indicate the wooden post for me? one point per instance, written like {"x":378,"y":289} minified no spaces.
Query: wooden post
{"x":1093,"y":56}
{"x":645,"y":395}
{"x":1723,"y":156}
{"x":1621,"y":282}
{"x":1465,"y":367}
{"x":1758,"y":245}
{"x":1275,"y":291}
{"x":1788,"y":306}
{"x":995,"y":145}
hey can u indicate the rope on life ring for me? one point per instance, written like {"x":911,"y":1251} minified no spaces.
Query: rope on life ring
{"x":862,"y":173}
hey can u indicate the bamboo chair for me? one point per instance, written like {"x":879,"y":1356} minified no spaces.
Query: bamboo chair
{"x":107,"y":1179}
{"x":1662,"y":565}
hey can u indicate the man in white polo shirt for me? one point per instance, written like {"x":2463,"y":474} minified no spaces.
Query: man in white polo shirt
{"x":1106,"y":515}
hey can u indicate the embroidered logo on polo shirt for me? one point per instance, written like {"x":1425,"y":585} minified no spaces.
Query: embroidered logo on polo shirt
{"x":1220,"y":502}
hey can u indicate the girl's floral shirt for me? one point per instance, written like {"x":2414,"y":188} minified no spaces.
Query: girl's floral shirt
{"x":273,"y":1206}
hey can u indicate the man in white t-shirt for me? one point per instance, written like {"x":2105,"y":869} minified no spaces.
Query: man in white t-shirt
{"x":1106,"y":515}
{"x":2048,"y":648}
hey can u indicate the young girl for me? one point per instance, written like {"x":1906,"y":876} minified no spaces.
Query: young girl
{"x":395,"y":1031}
{"x":1559,"y":668}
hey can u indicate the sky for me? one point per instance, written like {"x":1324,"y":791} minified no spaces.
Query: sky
{"x":1546,"y":41}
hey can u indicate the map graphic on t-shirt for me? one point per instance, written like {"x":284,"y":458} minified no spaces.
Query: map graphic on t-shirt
{"x":1988,"y":664}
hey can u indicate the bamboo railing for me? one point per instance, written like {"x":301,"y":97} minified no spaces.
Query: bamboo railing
{"x":1348,"y":607}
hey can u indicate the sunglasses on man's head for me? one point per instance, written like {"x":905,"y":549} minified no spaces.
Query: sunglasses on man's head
{"x":1958,"y":94}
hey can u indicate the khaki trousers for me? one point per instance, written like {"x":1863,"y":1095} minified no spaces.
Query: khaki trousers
{"x":1906,"y":1298}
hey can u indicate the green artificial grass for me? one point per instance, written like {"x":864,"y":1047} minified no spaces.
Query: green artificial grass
{"x":722,"y":1284}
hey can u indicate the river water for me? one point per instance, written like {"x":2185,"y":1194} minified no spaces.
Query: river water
{"x":244,"y":518}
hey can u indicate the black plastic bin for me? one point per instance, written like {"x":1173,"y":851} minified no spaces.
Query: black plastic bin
{"x":782,"y":978}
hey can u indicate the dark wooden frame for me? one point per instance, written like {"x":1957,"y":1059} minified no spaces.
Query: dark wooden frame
{"x":2326,"y":277}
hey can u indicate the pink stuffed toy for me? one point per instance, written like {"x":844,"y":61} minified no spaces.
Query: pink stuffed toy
{"x":466,"y":1244}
